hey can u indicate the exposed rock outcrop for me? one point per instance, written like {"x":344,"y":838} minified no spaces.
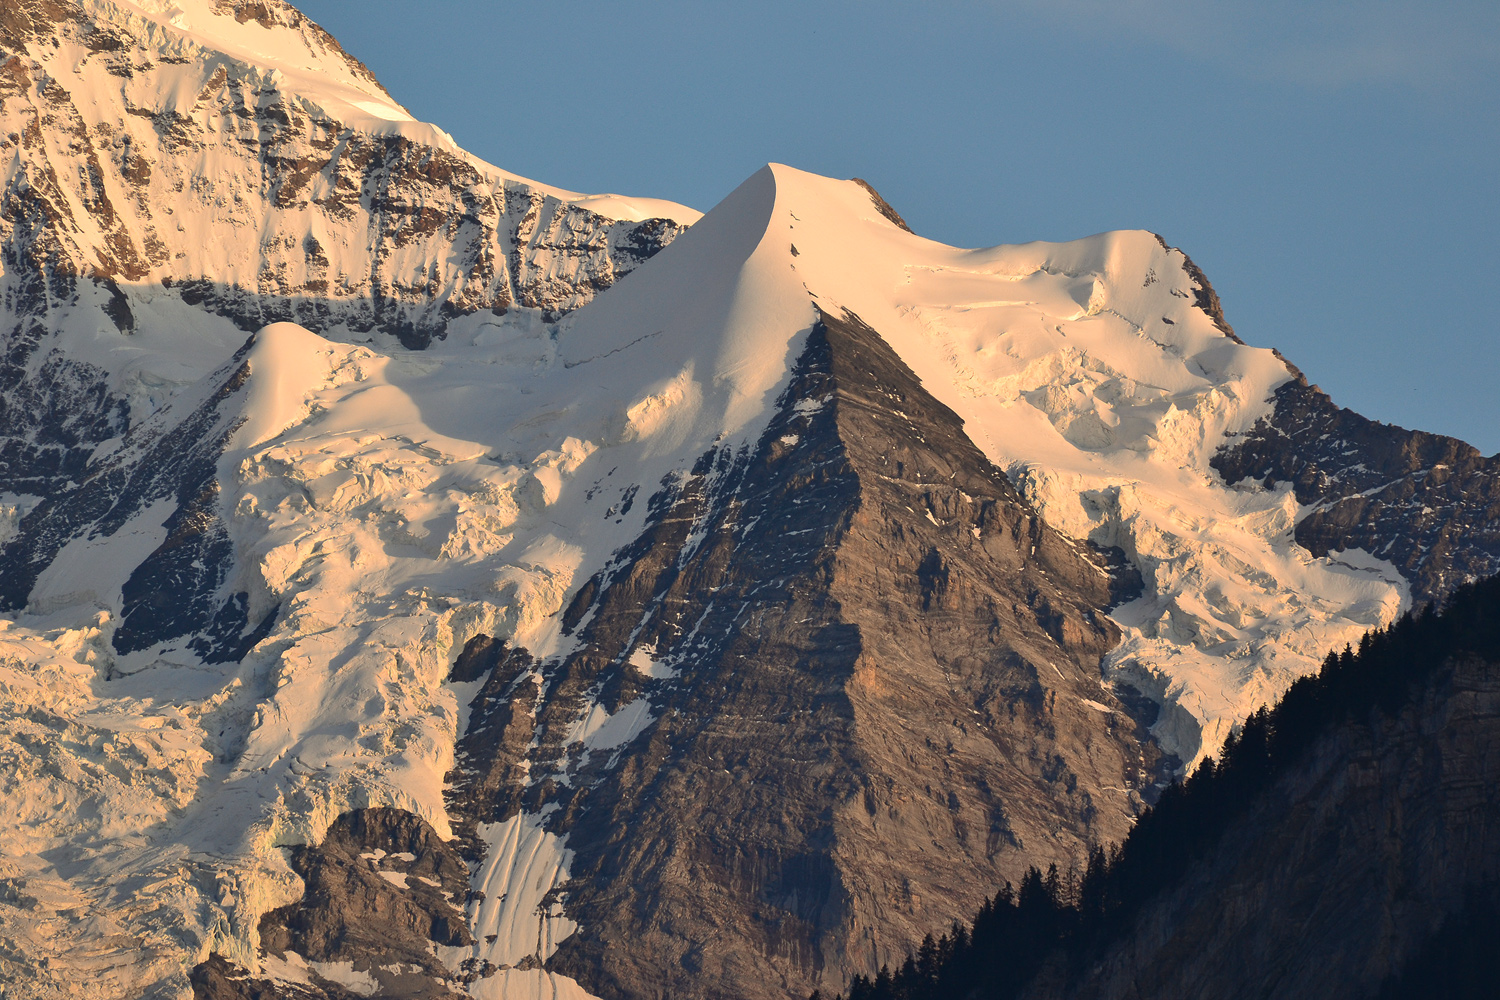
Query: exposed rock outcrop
{"x":1427,"y":503}
{"x":382,"y":889}
{"x":177,"y":589}
{"x":867,"y":674}
{"x":382,"y":892}
{"x":218,"y":979}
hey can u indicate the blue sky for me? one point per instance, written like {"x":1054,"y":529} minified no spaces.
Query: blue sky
{"x":1332,"y":166}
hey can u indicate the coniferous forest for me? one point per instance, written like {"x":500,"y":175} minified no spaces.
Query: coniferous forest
{"x":1079,"y":913}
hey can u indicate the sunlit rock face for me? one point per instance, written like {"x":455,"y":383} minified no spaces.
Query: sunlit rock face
{"x":849,"y":650}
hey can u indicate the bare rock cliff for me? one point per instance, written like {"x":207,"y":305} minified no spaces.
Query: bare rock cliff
{"x":1428,"y":503}
{"x":876,"y":694}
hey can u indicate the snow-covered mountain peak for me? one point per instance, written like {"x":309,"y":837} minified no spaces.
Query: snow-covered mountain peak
{"x":472,"y":405}
{"x":710,"y":329}
{"x":1106,"y":340}
{"x":239,"y":162}
{"x":270,"y":34}
{"x":171,"y":49}
{"x":1104,"y":335}
{"x":1099,"y":372}
{"x":180,"y":49}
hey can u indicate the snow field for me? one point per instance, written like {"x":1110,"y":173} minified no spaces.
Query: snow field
{"x":523,"y":867}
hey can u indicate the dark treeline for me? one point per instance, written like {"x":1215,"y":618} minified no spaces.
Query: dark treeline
{"x":1081,"y":912}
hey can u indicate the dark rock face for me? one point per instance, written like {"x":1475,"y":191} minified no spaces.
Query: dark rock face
{"x":1429,"y":504}
{"x":54,"y":410}
{"x":55,"y":415}
{"x":219,"y":979}
{"x":887,"y":699}
{"x":352,"y":912}
{"x":177,"y":590}
{"x":881,"y":205}
{"x":381,"y":890}
{"x":1459,"y":958}
{"x":1204,"y":296}
{"x":1340,"y":877}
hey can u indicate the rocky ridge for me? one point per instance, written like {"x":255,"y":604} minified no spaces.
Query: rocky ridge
{"x":1427,"y":503}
